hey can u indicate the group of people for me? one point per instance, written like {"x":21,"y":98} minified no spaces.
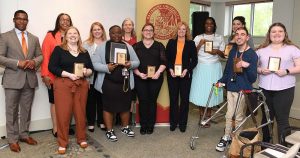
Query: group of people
{"x":89,"y":79}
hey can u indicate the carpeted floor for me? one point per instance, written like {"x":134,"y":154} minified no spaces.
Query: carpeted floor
{"x":161,"y":144}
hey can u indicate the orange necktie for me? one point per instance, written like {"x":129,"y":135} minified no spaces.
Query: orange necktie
{"x":24,"y":45}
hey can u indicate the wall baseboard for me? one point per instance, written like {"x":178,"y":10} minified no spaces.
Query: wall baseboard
{"x":36,"y":125}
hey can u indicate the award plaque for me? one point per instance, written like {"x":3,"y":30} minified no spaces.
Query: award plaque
{"x":78,"y":69}
{"x":274,"y":63}
{"x":121,"y":58}
{"x":177,"y":70}
{"x":227,"y":50}
{"x":208,"y":46}
{"x":114,"y":49}
{"x":150,"y":71}
{"x":235,"y":69}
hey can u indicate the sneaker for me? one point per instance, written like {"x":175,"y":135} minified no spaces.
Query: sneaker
{"x":128,"y":131}
{"x":224,"y":141}
{"x":111,"y":135}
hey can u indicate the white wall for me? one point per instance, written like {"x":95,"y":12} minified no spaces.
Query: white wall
{"x":42,"y":16}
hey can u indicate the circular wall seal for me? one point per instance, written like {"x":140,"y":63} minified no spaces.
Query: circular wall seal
{"x":164,"y":17}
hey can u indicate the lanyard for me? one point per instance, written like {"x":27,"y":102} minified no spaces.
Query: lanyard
{"x":237,"y":51}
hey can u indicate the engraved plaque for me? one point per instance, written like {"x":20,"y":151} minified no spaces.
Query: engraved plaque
{"x":121,"y":58}
{"x":274,"y":63}
{"x":177,"y":70}
{"x":208,"y":46}
{"x":78,"y":69}
{"x":150,"y":71}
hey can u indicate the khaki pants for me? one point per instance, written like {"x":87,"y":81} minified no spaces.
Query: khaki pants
{"x":232,"y":99}
{"x":70,"y":97}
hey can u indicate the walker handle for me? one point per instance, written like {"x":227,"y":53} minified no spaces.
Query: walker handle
{"x":219,"y":84}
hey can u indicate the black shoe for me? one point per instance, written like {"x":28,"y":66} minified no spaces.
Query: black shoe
{"x":150,"y":130}
{"x":91,"y":128}
{"x":143,"y":131}
{"x":172,"y":128}
{"x":71,"y":131}
{"x":182,"y":128}
{"x":54,"y":134}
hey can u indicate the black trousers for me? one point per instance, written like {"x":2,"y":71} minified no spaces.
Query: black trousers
{"x":179,"y":87}
{"x":94,"y":104}
{"x":147,"y":92}
{"x":279,"y":103}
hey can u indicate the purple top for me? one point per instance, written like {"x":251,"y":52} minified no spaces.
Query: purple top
{"x":288,"y":53}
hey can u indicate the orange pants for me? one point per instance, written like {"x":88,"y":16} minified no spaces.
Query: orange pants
{"x":70,"y":97}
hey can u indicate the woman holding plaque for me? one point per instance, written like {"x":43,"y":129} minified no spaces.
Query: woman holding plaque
{"x":149,"y":76}
{"x":278,"y":81}
{"x":53,"y":38}
{"x":182,"y":58}
{"x":237,"y":22}
{"x":70,"y":63}
{"x":115,"y":80}
{"x":94,"y":101}
{"x":208,"y":69}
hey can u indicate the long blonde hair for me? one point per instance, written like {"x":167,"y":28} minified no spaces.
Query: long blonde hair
{"x":268,"y":41}
{"x":64,"y":44}
{"x":91,"y":38}
{"x":188,"y":35}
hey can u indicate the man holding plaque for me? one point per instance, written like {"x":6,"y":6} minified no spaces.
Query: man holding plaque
{"x":239,"y":75}
{"x":149,"y":76}
{"x":182,"y":58}
{"x":70,"y":63}
{"x":279,"y":62}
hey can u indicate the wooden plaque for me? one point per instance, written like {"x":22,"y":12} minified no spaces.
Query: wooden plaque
{"x":177,"y":70}
{"x":121,"y":58}
{"x":235,"y":69}
{"x":208,"y":46}
{"x":274,"y":63}
{"x":227,"y":50}
{"x":150,"y":71}
{"x":78,"y":69}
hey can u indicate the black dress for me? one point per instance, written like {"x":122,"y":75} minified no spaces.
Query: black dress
{"x":115,"y":97}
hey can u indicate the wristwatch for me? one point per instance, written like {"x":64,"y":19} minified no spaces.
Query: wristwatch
{"x":287,"y":71}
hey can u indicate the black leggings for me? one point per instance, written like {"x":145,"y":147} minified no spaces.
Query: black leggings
{"x":279,"y":103}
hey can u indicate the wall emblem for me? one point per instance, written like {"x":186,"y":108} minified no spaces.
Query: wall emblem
{"x":164,"y":17}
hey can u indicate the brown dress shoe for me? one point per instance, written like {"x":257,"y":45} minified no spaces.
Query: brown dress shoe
{"x":14,"y":147}
{"x":29,"y":141}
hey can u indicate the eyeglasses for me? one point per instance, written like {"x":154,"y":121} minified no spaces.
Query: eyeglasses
{"x":148,"y":30}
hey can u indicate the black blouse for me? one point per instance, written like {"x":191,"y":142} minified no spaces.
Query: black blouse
{"x":153,"y":56}
{"x":62,"y":60}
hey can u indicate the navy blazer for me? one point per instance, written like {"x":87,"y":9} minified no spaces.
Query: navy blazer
{"x":189,"y":55}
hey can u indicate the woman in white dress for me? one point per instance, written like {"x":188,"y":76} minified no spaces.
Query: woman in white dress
{"x":208,"y":69}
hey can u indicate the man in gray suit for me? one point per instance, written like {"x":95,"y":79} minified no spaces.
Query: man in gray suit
{"x":20,"y":53}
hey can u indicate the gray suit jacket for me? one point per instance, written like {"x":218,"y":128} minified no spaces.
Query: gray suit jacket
{"x":11,"y":52}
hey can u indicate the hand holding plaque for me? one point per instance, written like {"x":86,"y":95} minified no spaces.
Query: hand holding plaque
{"x":150,"y":71}
{"x":177,"y":70}
{"x":274,"y":63}
{"x":78,"y":69}
{"x":208,"y":46}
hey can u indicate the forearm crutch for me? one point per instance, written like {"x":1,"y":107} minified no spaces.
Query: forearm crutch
{"x":202,"y":121}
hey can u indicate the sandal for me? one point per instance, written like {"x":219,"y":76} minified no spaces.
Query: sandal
{"x":61,"y":150}
{"x":83,"y":145}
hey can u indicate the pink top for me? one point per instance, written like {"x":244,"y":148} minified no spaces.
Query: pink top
{"x":272,"y":81}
